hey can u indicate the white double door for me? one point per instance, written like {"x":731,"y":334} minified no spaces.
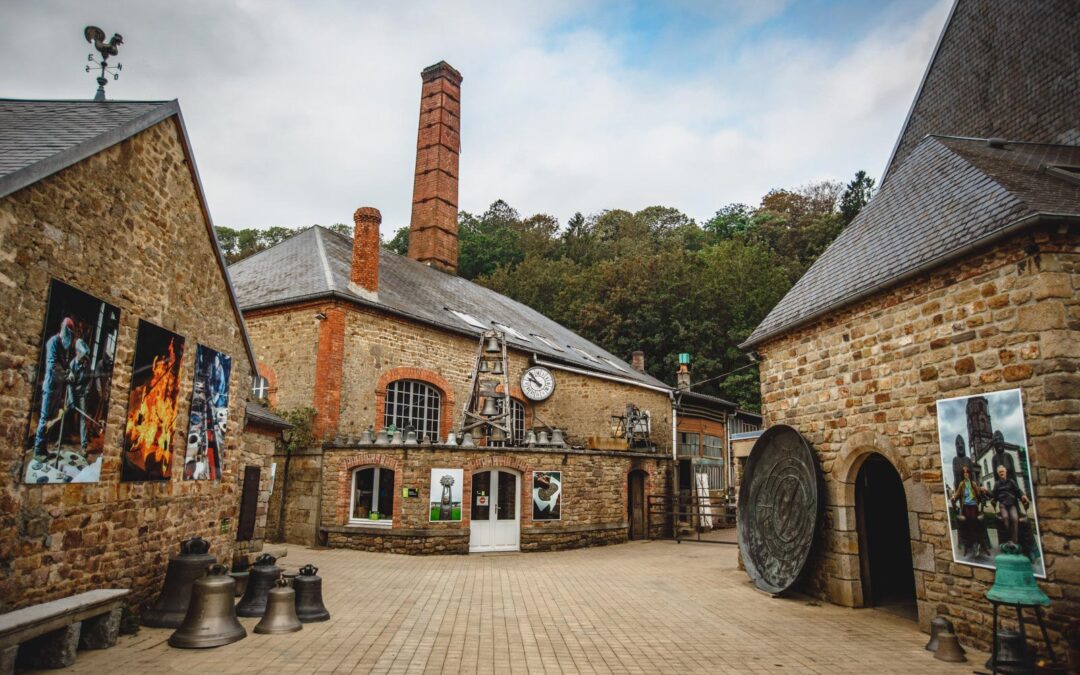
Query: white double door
{"x":495,"y":511}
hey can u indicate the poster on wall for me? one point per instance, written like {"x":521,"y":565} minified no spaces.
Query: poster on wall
{"x":987,"y":476}
{"x":70,"y":405}
{"x":445,"y":494}
{"x":547,"y":495}
{"x":152,"y":404}
{"x":208,"y":417}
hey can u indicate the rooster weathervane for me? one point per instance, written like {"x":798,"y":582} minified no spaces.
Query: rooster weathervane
{"x":96,"y":37}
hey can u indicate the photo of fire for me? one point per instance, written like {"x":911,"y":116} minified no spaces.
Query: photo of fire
{"x":209,"y":415}
{"x":66,"y":434}
{"x":152,"y":404}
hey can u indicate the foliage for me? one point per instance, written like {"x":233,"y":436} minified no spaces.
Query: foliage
{"x":239,"y":244}
{"x":302,"y":435}
{"x":856,"y":195}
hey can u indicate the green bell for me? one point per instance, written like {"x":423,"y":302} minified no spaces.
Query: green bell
{"x":1014,"y":579}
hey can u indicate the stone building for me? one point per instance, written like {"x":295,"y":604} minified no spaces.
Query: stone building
{"x":105,"y":234}
{"x":371,"y":339}
{"x":961,"y":278}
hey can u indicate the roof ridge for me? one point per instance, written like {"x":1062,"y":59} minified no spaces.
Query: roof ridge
{"x":256,"y":254}
{"x":84,"y":100}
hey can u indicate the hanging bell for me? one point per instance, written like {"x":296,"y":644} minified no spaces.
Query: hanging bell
{"x":410,"y":438}
{"x":557,"y":437}
{"x":497,"y":434}
{"x":183,"y":570}
{"x":530,"y":438}
{"x":309,"y":603}
{"x":483,"y":368}
{"x":938,"y":625}
{"x":381,"y":438}
{"x":261,"y":579}
{"x":1014,"y":579}
{"x":949,"y":648}
{"x":467,"y":440}
{"x":498,"y":369}
{"x":490,"y":409}
{"x":1012,"y":657}
{"x":210,"y":620}
{"x":492,"y":346}
{"x":542,"y":439}
{"x":280,"y":616}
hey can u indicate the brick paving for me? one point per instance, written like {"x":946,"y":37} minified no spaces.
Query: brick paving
{"x":640,"y":607}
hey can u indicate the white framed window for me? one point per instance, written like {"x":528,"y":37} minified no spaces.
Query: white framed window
{"x":411,"y":403}
{"x":549,"y":342}
{"x":260,"y":389}
{"x":372,"y":501}
{"x":469,"y":319}
{"x":517,"y":420}
{"x":509,"y":331}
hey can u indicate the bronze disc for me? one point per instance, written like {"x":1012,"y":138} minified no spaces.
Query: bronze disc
{"x":779,"y":503}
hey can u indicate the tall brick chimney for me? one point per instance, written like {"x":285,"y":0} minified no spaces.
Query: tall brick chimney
{"x":433,"y":236}
{"x":637,"y":360}
{"x":364,"y":273}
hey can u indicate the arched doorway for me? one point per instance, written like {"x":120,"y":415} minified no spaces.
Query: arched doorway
{"x":635,"y":504}
{"x":888,"y":576}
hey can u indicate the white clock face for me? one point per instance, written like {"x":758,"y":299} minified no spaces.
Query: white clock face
{"x":537,"y":383}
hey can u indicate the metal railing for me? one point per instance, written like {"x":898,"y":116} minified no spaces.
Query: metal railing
{"x":702,"y":515}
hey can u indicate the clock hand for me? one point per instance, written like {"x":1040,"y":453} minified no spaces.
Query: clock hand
{"x":535,"y":381}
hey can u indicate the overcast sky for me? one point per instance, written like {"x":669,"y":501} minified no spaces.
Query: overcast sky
{"x":299,"y":112}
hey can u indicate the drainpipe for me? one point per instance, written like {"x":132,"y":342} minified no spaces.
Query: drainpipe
{"x":674,"y":465}
{"x":284,"y":490}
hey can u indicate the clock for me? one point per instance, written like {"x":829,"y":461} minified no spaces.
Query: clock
{"x":537,"y":383}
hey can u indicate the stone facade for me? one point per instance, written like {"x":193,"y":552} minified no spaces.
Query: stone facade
{"x":865,"y":380}
{"x":128,"y":226}
{"x":259,"y":444}
{"x":299,"y":483}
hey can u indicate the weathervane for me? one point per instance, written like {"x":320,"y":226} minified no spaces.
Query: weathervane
{"x":96,"y":37}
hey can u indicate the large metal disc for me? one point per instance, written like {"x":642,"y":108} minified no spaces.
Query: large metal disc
{"x":779,"y":503}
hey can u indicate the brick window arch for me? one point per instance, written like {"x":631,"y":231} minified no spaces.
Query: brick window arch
{"x":264,"y":385}
{"x":371,"y":499}
{"x":413,"y":404}
{"x":387,"y":396}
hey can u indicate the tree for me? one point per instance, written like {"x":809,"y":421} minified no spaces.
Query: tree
{"x":856,"y":195}
{"x":399,"y":243}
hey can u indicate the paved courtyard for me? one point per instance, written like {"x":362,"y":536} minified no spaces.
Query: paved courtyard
{"x":641,"y":607}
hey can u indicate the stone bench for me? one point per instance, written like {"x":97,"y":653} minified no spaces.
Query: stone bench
{"x":50,"y":633}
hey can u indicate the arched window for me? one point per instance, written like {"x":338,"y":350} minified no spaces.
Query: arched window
{"x":517,"y":420}
{"x":372,"y":500}
{"x":411,"y":403}
{"x":261,"y":388}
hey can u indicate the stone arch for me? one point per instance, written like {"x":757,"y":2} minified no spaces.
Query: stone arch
{"x":855,"y":450}
{"x":446,"y":407}
{"x":344,"y":475}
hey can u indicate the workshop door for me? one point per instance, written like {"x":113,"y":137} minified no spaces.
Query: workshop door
{"x":495,"y":511}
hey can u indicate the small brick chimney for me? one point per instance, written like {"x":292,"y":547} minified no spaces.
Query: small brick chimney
{"x":637,"y":360}
{"x":433,"y":235}
{"x":364,"y":273}
{"x":682,"y":375}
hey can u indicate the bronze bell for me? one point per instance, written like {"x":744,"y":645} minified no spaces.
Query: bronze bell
{"x":498,"y":369}
{"x":309,"y":603}
{"x":948,"y":648}
{"x":489,"y":409}
{"x":211,"y":618}
{"x":280,"y":616}
{"x":493,"y":345}
{"x":497,"y":434}
{"x":938,"y":625}
{"x":183,"y":570}
{"x":483,"y":366}
{"x":261,"y":579}
{"x":1012,"y":656}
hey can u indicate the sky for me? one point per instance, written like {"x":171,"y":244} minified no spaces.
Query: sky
{"x":300,"y":112}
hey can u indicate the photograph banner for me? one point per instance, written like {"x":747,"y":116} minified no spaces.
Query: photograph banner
{"x":445,"y":495}
{"x":209,"y":415}
{"x":987,"y":476}
{"x":70,"y":405}
{"x":547,"y":495}
{"x":152,"y":404}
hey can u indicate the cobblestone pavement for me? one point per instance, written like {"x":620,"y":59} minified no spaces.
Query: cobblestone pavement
{"x":641,"y":607}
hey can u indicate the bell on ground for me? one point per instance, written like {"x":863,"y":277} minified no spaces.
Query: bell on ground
{"x":381,"y":438}
{"x":938,"y":625}
{"x":410,"y":438}
{"x":467,"y":440}
{"x":261,"y":579}
{"x":211,"y":618}
{"x":498,"y":369}
{"x":483,"y":368}
{"x":530,"y":438}
{"x":948,"y":648}
{"x":497,"y":434}
{"x":542,"y":439}
{"x":183,"y":570}
{"x":490,"y":409}
{"x":1012,"y":656}
{"x":1014,"y":579}
{"x":280,"y":616}
{"x":557,"y":437}
{"x":309,"y":602}
{"x":492,"y":346}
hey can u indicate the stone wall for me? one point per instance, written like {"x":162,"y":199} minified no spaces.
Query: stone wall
{"x":126,"y":226}
{"x":594,"y":501}
{"x":258,"y":450}
{"x":299,"y":482}
{"x":285,"y":343}
{"x":865,"y":379}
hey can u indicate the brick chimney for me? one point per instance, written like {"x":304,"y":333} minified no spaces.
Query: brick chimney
{"x":682,"y":375}
{"x":364,"y":273}
{"x":637,"y":360}
{"x":433,"y":237}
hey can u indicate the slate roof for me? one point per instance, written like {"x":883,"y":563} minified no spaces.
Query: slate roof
{"x":262,"y":415}
{"x":315,"y":263}
{"x":40,"y":138}
{"x":949,"y":195}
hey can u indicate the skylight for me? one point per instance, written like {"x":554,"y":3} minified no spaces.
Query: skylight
{"x":612,"y":364}
{"x":548,"y":342}
{"x":1069,"y":173}
{"x":584,"y":354}
{"x":469,"y":319}
{"x":510,"y":331}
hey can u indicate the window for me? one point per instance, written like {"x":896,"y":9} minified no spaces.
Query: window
{"x":517,"y":420}
{"x":549,"y":342}
{"x":689,"y":444}
{"x":509,"y":331}
{"x":715,"y":474}
{"x":261,"y":388}
{"x":714,"y":446}
{"x":372,"y":496}
{"x":410,"y":403}
{"x":469,"y":319}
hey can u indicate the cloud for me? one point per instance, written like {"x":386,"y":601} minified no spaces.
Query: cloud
{"x":301,"y":112}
